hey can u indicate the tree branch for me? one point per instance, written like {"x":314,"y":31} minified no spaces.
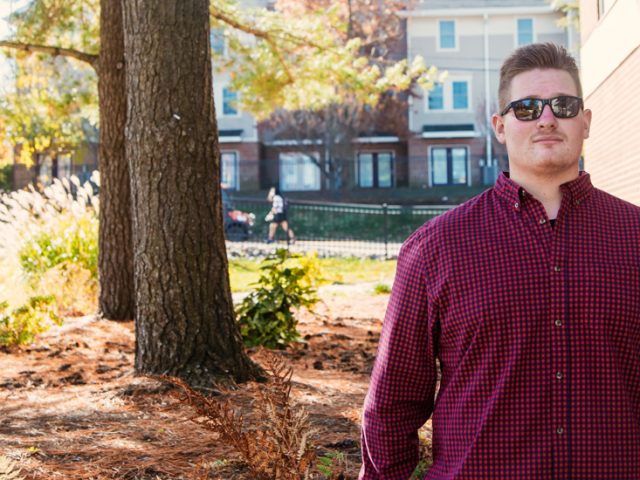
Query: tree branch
{"x":54,"y":51}
{"x":217,"y":14}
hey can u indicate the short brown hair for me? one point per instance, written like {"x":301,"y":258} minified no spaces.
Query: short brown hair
{"x":530,"y":57}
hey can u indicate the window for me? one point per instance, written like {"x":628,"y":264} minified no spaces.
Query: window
{"x":436,"y":98}
{"x":375,"y":169}
{"x":525,"y":31}
{"x":447,"y":34}
{"x":45,"y":169}
{"x":454,"y":94}
{"x":229,"y":102}
{"x":64,"y":166}
{"x":299,"y":171}
{"x":460,"y":95}
{"x":449,"y":166}
{"x":217,"y":41}
{"x":229,"y":170}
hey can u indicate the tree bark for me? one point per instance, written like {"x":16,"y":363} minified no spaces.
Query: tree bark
{"x":185,"y":322}
{"x":115,"y":262}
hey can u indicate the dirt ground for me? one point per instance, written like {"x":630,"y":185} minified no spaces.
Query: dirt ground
{"x":72,"y":407}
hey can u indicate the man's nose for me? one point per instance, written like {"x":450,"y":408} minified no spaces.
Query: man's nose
{"x":547,"y":118}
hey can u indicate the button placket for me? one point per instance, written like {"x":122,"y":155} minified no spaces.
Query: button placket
{"x":559,"y":419}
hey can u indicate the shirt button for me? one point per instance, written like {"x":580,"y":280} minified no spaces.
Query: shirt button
{"x":543,"y":221}
{"x":557,"y":268}
{"x":516,"y":205}
{"x":559,"y":430}
{"x":559,"y":375}
{"x":558,"y":323}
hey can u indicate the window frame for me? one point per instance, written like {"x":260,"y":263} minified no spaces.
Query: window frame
{"x":449,"y":149}
{"x":222,"y":103}
{"x":236,"y":167}
{"x":448,"y":98}
{"x":442,"y":96}
{"x":220,"y":33}
{"x":305,"y":156}
{"x":517,"y":43}
{"x":375,"y":168}
{"x":456,"y":40}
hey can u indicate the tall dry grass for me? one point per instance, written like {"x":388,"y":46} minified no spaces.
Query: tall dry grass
{"x":61,"y":216}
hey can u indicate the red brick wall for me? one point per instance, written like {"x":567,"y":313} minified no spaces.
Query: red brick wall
{"x":419,"y":158}
{"x":22,"y":176}
{"x":248,"y":163}
{"x":400,"y":163}
{"x":612,"y":153}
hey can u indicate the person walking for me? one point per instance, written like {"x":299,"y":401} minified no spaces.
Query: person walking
{"x":521,"y":308}
{"x":278,"y":215}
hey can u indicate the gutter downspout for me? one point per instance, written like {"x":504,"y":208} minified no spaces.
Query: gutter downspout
{"x":487,"y":102}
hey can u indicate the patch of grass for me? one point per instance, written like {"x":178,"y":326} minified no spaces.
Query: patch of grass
{"x":346,"y":271}
{"x":381,"y":288}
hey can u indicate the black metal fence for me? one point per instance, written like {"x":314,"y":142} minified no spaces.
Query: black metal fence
{"x":340,"y":228}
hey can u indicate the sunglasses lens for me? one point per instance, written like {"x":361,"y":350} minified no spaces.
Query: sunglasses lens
{"x":527,"y":109}
{"x":565,"y":107}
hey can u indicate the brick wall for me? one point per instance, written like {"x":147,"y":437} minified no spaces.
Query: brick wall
{"x":248,"y":163}
{"x":419,"y":158}
{"x":612,"y":153}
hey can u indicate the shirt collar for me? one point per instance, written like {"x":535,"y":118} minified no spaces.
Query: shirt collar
{"x":577,"y":190}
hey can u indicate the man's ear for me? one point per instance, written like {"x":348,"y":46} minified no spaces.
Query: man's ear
{"x":586,"y":115}
{"x":497,"y":123}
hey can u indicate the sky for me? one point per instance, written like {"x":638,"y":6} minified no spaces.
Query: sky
{"x":6,"y":7}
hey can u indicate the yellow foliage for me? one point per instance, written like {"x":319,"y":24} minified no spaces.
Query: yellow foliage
{"x":74,"y":288}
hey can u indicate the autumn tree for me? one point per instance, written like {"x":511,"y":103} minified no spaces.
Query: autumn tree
{"x":184,"y":316}
{"x":376,"y":28}
{"x":78,"y":31}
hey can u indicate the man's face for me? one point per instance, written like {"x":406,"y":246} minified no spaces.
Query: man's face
{"x":548,"y":146}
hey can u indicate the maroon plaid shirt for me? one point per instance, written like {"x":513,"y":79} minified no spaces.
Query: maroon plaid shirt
{"x":537,"y":333}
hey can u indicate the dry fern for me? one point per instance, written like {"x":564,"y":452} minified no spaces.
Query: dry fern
{"x":9,"y":469}
{"x":279,"y":447}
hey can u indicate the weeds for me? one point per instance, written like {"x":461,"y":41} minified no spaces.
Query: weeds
{"x":9,"y":469}
{"x":266,"y":315}
{"x":381,"y":288}
{"x":333,"y":466}
{"x":20,"y":326}
{"x":277,"y":445}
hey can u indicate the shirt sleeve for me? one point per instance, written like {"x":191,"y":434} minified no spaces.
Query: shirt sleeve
{"x":402,"y":389}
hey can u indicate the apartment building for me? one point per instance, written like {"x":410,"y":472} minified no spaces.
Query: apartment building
{"x":240,"y":149}
{"x":452,"y":143}
{"x":610,"y":56}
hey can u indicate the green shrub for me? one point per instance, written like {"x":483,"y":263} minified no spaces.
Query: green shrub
{"x":25,"y":322}
{"x":381,"y":288}
{"x":73,"y":240}
{"x":265,"y":316}
{"x":5,"y":176}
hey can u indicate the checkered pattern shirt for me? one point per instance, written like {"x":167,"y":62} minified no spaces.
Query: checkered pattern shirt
{"x":536,"y":331}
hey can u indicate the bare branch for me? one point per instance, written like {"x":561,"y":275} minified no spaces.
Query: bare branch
{"x":54,"y":51}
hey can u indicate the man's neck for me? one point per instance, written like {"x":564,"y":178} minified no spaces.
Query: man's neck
{"x":545,"y":188}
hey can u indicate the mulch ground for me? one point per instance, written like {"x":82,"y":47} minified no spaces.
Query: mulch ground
{"x":72,"y":407}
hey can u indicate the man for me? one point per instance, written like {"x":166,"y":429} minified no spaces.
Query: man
{"x":528,"y":299}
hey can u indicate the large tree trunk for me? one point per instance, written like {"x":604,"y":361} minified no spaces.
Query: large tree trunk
{"x":115,"y":262}
{"x":185,"y":323}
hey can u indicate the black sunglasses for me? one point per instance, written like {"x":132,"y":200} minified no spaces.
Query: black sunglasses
{"x":527,"y":109}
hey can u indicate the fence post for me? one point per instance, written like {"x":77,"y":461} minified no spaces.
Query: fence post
{"x":386,"y":231}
